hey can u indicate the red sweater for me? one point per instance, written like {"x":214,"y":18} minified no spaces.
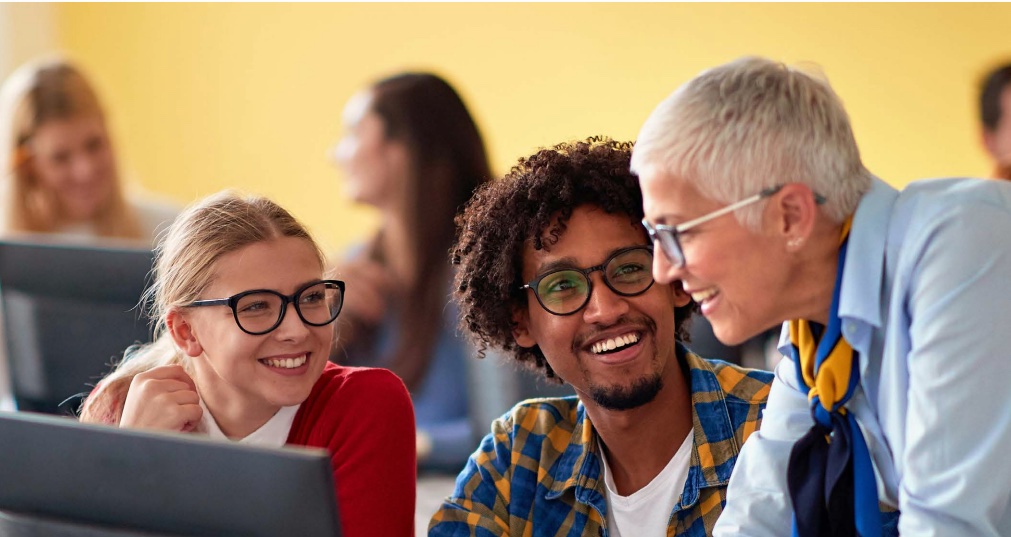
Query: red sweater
{"x":363,"y":417}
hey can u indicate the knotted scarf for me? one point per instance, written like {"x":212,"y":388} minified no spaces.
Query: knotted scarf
{"x":830,"y":477}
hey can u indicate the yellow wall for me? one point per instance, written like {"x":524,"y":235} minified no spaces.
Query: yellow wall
{"x":206,"y":96}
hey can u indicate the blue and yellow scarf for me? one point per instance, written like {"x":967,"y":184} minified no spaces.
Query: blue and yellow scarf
{"x":830,"y":476}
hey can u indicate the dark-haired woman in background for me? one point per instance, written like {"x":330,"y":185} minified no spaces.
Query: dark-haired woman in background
{"x":412,"y":151}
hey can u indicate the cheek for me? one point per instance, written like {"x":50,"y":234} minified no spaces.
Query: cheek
{"x":324,"y":334}
{"x":49,"y":174}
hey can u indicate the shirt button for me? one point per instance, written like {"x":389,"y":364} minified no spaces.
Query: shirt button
{"x":851,"y":327}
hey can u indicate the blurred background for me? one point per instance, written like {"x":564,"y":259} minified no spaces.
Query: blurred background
{"x":202,"y":97}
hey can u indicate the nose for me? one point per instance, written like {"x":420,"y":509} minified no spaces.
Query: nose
{"x":340,"y":154}
{"x":604,"y":306}
{"x":84,"y":169}
{"x":664,"y":271}
{"x":291,"y":328}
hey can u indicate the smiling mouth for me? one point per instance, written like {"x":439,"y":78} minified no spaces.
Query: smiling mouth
{"x":702,"y":296}
{"x":615,"y":344}
{"x":285,"y":363}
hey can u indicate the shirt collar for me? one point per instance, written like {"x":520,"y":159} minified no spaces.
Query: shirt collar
{"x":273,"y":433}
{"x":863,"y":276}
{"x":711,"y":463}
{"x":859,"y":297}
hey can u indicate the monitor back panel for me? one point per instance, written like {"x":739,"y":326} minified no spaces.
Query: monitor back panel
{"x":69,"y":312}
{"x":55,"y":468}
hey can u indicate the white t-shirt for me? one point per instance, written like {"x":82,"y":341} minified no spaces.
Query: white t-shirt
{"x":274,"y":433}
{"x":645,"y":512}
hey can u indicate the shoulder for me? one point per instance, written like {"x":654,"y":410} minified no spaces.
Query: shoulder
{"x":526,"y":426}
{"x":964,"y":218}
{"x":738,"y":384}
{"x":364,"y":384}
{"x":541,"y":416}
{"x":932,"y":200}
{"x":352,"y":400}
{"x":358,"y":392}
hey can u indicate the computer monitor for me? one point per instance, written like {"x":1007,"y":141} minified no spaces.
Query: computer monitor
{"x":69,"y":310}
{"x":68,"y":479}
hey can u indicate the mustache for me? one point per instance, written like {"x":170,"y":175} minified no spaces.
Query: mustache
{"x":639,"y":322}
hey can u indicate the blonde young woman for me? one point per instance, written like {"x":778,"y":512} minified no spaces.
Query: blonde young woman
{"x":244,"y":329}
{"x":58,"y":164}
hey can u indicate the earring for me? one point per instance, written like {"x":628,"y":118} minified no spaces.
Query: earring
{"x":794,"y":243}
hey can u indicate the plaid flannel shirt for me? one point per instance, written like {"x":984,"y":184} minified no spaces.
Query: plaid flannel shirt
{"x":538,"y":474}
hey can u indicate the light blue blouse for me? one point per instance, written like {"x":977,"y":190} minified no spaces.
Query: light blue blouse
{"x":926,"y":301}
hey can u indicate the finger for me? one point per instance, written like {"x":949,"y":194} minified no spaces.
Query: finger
{"x":184,"y":397}
{"x":173,"y":372}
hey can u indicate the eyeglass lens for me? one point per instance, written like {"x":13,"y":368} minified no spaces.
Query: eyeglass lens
{"x":670,"y":246}
{"x":667,"y":237}
{"x":565,"y":291}
{"x":260,"y":312}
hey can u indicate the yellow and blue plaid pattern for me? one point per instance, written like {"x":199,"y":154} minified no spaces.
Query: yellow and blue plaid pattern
{"x":538,"y":474}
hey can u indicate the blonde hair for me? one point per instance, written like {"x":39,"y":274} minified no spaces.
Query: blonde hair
{"x":185,"y":264}
{"x":751,"y":124}
{"x":38,"y":92}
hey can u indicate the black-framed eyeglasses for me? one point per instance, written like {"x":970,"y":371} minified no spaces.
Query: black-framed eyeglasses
{"x":668,"y":236}
{"x":564,"y":291}
{"x":260,"y":311}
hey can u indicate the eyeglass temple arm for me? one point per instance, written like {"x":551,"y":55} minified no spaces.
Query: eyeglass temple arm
{"x":728,"y":209}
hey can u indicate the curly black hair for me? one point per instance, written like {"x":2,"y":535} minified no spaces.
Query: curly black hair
{"x":534,"y":202}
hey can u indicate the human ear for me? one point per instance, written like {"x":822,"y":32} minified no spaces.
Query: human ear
{"x":795,"y":213}
{"x":681,"y":298}
{"x":521,"y":328}
{"x":182,"y":333}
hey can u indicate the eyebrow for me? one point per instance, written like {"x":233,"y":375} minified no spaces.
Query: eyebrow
{"x":666,"y":219}
{"x":297,"y":286}
{"x":569,"y":262}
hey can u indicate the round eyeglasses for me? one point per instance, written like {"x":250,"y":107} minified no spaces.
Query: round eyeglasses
{"x":564,"y":291}
{"x":260,"y":311}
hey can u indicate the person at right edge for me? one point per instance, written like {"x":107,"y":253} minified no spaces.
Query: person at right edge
{"x":892,"y":410}
{"x":994,"y":112}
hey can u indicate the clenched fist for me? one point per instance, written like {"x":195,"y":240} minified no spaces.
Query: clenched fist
{"x":164,"y":398}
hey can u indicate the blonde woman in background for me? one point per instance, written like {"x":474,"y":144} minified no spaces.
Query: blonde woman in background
{"x":59,"y":166}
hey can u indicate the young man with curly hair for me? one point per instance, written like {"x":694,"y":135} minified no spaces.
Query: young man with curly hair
{"x":555,"y":268}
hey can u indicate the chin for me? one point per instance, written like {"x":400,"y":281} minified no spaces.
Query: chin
{"x":640,"y":392}
{"x":289,"y":399}
{"x":728,"y":334}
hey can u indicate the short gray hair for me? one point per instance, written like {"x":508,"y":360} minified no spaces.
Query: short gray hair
{"x":751,"y":124}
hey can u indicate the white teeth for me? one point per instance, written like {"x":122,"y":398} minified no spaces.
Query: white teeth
{"x":614,"y":343}
{"x":702,"y":296}
{"x":286,"y":363}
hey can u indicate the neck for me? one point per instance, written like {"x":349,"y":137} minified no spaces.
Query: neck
{"x":235,"y":414}
{"x":814,"y":272}
{"x":640,"y":442}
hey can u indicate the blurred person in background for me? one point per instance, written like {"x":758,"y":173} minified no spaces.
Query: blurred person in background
{"x":59,"y":166}
{"x":411,"y":150}
{"x":994,"y":109}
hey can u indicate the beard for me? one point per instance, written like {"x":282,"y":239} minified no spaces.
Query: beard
{"x":626,"y":397}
